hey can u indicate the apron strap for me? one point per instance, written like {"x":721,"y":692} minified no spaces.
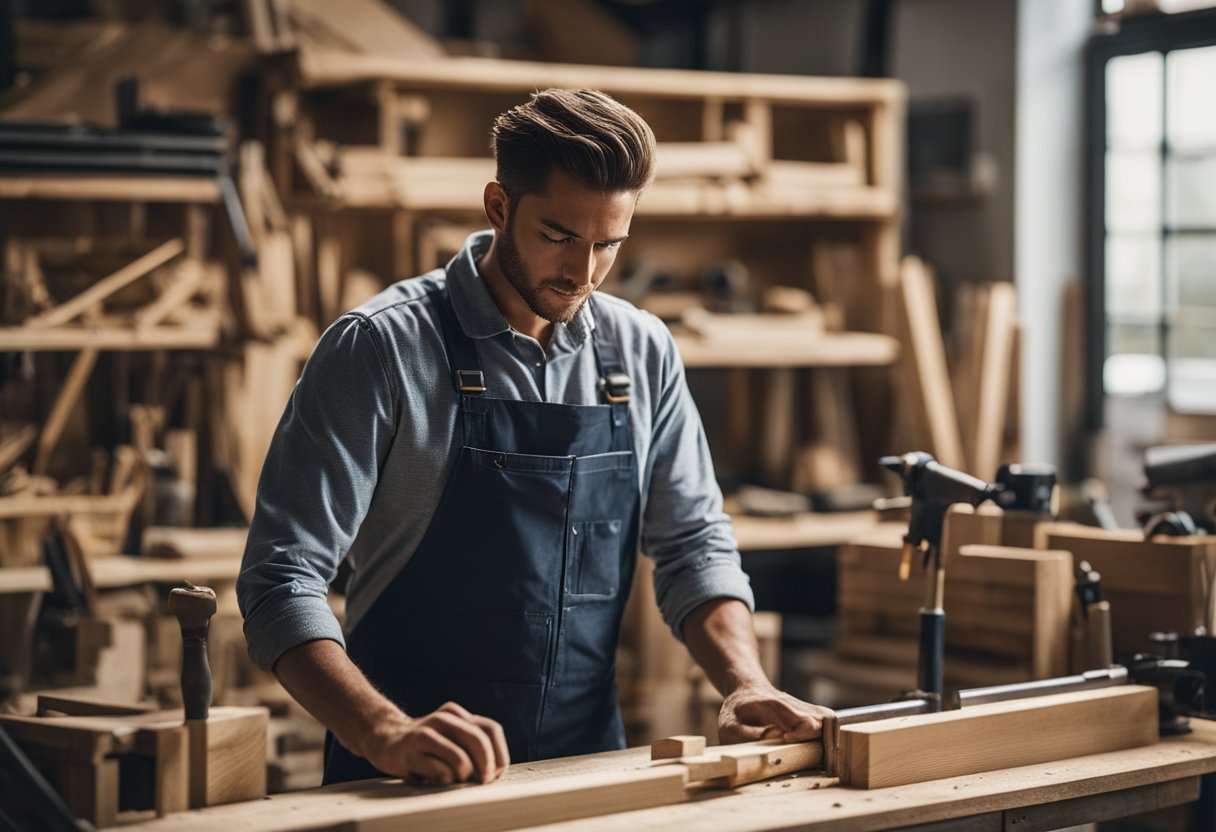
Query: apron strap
{"x":461,"y":349}
{"x":614,"y":381}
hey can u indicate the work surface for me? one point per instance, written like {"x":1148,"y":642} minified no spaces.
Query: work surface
{"x":1128,"y":781}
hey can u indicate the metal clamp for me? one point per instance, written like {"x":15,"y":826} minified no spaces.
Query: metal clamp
{"x":471,"y":381}
{"x":615,"y":387}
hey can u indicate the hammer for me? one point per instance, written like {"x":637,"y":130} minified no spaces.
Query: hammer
{"x":193,"y":607}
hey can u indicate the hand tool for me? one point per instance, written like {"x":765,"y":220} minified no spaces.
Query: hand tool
{"x":193,"y":607}
{"x":933,"y":488}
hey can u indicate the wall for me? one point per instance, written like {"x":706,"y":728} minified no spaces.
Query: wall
{"x":1048,"y":215}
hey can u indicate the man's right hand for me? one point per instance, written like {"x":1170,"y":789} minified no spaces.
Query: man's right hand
{"x":448,"y":745}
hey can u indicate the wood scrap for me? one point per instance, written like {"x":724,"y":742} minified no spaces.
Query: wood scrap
{"x":995,"y":379}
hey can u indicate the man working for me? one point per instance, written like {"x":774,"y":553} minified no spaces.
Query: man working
{"x":487,"y":443}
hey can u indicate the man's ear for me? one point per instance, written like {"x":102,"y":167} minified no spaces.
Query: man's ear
{"x":497,"y":205}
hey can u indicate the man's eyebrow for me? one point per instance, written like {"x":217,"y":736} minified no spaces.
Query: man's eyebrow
{"x":561,"y":229}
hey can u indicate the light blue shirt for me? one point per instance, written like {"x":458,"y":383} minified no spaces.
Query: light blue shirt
{"x":360,"y":458}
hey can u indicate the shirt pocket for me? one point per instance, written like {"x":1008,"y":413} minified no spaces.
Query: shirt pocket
{"x":595,"y":558}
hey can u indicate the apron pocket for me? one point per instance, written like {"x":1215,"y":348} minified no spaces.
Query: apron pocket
{"x":595,"y":558}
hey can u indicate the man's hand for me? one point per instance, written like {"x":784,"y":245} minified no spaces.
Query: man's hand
{"x":448,"y":745}
{"x":764,"y":713}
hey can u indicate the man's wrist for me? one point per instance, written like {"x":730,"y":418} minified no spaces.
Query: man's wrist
{"x":376,"y":728}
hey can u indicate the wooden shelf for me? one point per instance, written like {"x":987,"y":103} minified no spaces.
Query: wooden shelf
{"x":121,"y":570}
{"x":816,"y":349}
{"x":321,"y":67}
{"x":803,"y":531}
{"x":111,"y":188}
{"x":120,"y":338}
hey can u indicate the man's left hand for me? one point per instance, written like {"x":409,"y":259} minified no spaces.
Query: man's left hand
{"x":763,"y":713}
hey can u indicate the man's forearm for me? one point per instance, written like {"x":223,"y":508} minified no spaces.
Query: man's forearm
{"x":721,"y":638}
{"x":321,"y":677}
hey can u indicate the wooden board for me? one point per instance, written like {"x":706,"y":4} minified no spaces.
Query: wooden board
{"x":1000,"y":602}
{"x":1162,"y":584}
{"x":928,"y":399}
{"x":228,"y":756}
{"x":995,"y":736}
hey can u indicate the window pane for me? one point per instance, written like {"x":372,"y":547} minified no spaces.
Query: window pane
{"x":1133,"y":190}
{"x":1133,"y":277}
{"x":1133,"y":101}
{"x":1133,"y":374}
{"x":1192,"y":369}
{"x":1141,"y":338}
{"x":1192,"y":118}
{"x":1192,"y":179}
{"x":1191,"y":264}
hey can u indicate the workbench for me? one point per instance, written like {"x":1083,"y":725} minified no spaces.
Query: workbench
{"x":1037,"y":797}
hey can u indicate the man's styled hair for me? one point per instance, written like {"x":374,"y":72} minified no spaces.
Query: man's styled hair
{"x":592,"y":138}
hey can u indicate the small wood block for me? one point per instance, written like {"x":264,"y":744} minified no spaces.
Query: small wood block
{"x":680,"y":746}
{"x":228,"y":756}
{"x":999,"y":735}
{"x":831,"y":745}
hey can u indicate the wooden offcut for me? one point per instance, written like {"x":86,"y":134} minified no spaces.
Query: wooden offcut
{"x":227,"y":756}
{"x":1000,"y":735}
{"x":728,"y":766}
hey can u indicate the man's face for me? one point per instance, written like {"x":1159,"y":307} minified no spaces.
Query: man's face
{"x":558,"y":245}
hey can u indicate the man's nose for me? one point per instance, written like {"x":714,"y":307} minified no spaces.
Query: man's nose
{"x":580,"y":265}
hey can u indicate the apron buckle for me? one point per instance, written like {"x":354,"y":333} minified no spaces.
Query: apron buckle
{"x":471,"y":381}
{"x":615,"y":387}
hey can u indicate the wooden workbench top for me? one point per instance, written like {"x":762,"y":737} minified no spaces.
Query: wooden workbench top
{"x":798,"y":801}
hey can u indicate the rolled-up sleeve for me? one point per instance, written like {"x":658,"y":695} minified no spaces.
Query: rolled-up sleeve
{"x":316,"y":485}
{"x":684,"y":528}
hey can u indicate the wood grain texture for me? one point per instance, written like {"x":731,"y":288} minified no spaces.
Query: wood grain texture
{"x":1160,"y":584}
{"x":1001,"y":735}
{"x":228,"y":756}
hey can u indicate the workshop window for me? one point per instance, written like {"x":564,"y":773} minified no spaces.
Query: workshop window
{"x":1156,"y":256}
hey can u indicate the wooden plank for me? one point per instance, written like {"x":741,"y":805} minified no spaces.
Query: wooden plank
{"x":111,"y":188}
{"x":801,"y":531}
{"x":996,"y":367}
{"x":998,"y":735}
{"x":65,"y":403}
{"x":204,"y":336}
{"x":328,"y":68}
{"x":928,"y":396}
{"x":107,"y":286}
{"x":851,"y":349}
{"x":369,"y":27}
{"x":211,"y":543}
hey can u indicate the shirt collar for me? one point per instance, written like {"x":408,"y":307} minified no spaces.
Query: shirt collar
{"x":475,"y":308}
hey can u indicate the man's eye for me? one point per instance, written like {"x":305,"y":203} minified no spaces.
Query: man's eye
{"x":559,"y":241}
{"x":610,"y":244}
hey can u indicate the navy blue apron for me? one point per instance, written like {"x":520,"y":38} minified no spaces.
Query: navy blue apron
{"x":511,"y":605}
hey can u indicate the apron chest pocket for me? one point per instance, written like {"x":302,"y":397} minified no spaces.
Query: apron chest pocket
{"x":595,"y":558}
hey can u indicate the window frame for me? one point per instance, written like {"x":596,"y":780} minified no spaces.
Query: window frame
{"x":1157,"y":33}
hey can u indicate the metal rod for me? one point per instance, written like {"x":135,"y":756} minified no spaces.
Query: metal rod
{"x":885,"y":710}
{"x":1091,"y":679}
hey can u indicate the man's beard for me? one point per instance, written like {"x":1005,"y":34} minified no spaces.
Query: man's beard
{"x":533,"y":291}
